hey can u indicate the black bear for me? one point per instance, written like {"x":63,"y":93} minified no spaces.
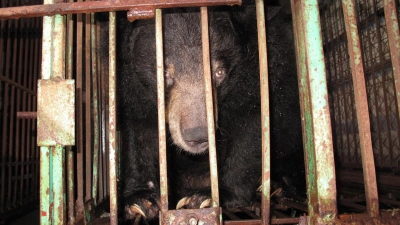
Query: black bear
{"x":235,"y":74}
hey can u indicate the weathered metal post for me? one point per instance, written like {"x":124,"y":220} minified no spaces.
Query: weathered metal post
{"x":317,"y":134}
{"x":265,"y":115}
{"x":55,"y":119}
{"x":360,"y":95}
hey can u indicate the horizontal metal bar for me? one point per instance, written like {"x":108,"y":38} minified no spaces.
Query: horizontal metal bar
{"x":103,"y":6}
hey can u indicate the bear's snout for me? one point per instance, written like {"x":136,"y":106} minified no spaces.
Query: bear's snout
{"x":196,"y":137}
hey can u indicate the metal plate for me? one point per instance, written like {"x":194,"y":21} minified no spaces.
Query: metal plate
{"x":56,"y":112}
{"x":207,"y":216}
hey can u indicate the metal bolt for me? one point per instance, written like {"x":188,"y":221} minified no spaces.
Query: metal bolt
{"x":193,"y":221}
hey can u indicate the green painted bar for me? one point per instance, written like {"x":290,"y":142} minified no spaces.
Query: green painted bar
{"x":360,"y":95}
{"x":322,"y":133}
{"x":304,"y":95}
{"x":317,"y":134}
{"x":44,"y":186}
{"x":265,"y":115}
{"x":58,"y":182}
{"x":162,"y":148}
{"x":212,"y":151}
{"x":112,"y":121}
{"x":46,"y":68}
{"x":95,"y":110}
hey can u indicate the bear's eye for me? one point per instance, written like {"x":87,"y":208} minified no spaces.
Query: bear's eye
{"x":219,"y":75}
{"x":169,"y":81}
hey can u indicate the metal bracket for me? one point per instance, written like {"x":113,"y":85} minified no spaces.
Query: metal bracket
{"x":192,"y":216}
{"x":56,"y":112}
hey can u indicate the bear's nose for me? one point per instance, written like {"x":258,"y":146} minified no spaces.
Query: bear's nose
{"x":196,"y":137}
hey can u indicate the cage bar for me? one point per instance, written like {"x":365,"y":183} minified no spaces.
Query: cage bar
{"x":360,"y":95}
{"x":161,"y":115}
{"x":112,"y":121}
{"x":265,"y":115}
{"x":320,"y":161}
{"x":209,"y":107}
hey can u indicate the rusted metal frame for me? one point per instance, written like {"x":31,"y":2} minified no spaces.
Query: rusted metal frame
{"x":104,"y":6}
{"x":210,"y":109}
{"x":295,"y":220}
{"x":88,"y":128}
{"x":327,"y":32}
{"x":162,"y":146}
{"x":15,"y":84}
{"x":305,"y":105}
{"x":70,"y":151}
{"x":339,"y":71}
{"x":94,"y":32}
{"x":265,"y":115}
{"x":375,"y":92}
{"x":16,"y":136}
{"x":37,"y":57}
{"x":392,"y":25}
{"x":347,"y":105}
{"x":12,"y":111}
{"x":361,"y":101}
{"x":20,"y":142}
{"x":112,"y":120}
{"x":325,"y":193}
{"x":79,"y":204}
{"x":384,"y":80}
{"x":5,"y":111}
{"x":26,"y":99}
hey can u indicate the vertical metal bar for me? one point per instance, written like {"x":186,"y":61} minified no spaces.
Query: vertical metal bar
{"x":265,"y":115}
{"x":79,"y":205}
{"x":36,"y":63}
{"x":392,"y":24}
{"x":88,"y":130}
{"x":210,"y":111}
{"x":94,"y":104}
{"x":360,"y":95}
{"x":161,"y":114}
{"x":325,"y":194}
{"x":58,"y":54}
{"x":58,"y":185}
{"x":305,"y":104}
{"x":47,"y":40}
{"x":112,"y":119}
{"x":5,"y":114}
{"x":70,"y":152}
{"x":11,"y":119}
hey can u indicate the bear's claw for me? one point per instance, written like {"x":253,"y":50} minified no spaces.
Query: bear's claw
{"x":192,"y":202}
{"x":135,"y":209}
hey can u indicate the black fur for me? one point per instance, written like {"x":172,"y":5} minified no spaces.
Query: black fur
{"x":233,"y":41}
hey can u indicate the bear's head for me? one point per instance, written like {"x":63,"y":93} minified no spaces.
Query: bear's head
{"x":183,"y":65}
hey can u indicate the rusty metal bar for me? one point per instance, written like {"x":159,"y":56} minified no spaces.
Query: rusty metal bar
{"x":45,"y":200}
{"x":88,"y":119}
{"x":161,"y":116}
{"x":79,"y":204}
{"x":112,"y":121}
{"x":94,"y":100}
{"x":104,"y":6}
{"x":70,"y":152}
{"x":209,"y":107}
{"x":392,"y":24}
{"x":322,"y":193}
{"x":360,"y":95}
{"x":265,"y":115}
{"x":305,"y":105}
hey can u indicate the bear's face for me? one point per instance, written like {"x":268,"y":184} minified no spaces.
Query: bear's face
{"x":184,"y":79}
